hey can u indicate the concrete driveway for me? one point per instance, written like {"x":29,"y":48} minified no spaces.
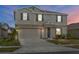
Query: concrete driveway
{"x":42,"y":46}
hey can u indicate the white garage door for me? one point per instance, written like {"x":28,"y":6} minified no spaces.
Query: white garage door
{"x":29,"y":33}
{"x":29,"y":36}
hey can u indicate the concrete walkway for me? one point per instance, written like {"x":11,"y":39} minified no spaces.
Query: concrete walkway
{"x":9,"y":46}
{"x":41,"y":46}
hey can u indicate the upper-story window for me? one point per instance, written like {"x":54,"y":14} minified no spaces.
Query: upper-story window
{"x":24,"y":16}
{"x":40,"y":17}
{"x":59,"y":18}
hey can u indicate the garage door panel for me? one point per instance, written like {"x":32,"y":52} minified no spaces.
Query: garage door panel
{"x":29,"y":33}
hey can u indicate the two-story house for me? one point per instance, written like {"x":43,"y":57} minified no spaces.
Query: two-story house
{"x":34,"y":23}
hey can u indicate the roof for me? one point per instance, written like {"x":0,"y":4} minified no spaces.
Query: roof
{"x":4,"y":26}
{"x":73,"y":26}
{"x":41,"y":10}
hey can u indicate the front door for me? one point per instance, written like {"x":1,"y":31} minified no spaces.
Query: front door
{"x":48,"y":32}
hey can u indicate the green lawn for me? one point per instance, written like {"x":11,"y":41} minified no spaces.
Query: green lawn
{"x":5,"y":42}
{"x":74,"y":43}
{"x":8,"y":49}
{"x":64,"y":41}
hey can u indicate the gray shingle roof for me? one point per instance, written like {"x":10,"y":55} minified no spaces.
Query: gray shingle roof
{"x":73,"y":26}
{"x":4,"y":26}
{"x":41,"y":10}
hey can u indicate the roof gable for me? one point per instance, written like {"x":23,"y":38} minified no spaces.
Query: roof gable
{"x":35,"y":9}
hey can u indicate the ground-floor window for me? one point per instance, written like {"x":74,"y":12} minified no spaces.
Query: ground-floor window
{"x":58,"y":31}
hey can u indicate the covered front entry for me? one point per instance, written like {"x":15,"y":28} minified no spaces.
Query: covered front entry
{"x":46,"y":33}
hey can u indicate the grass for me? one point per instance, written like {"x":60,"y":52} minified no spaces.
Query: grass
{"x":74,"y":46}
{"x":8,"y":49}
{"x":5,"y":42}
{"x":65,"y":42}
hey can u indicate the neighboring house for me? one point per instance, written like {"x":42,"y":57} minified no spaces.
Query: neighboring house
{"x":34,"y":23}
{"x":3,"y":30}
{"x":73,"y":30}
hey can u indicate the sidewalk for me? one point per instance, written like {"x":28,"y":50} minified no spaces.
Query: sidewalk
{"x":8,"y":46}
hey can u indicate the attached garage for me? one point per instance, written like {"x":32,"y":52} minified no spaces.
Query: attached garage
{"x":28,"y":35}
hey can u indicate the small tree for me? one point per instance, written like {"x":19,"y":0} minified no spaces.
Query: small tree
{"x":14,"y":34}
{"x":69,"y":35}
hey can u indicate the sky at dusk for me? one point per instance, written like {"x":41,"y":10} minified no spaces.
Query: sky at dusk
{"x":6,"y":12}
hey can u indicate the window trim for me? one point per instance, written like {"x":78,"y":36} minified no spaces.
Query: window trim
{"x":27,"y":16}
{"x":60,"y":29}
{"x":37,"y":19}
{"x":57,"y":18}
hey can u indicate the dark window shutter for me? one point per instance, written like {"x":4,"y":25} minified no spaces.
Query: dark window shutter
{"x":36,"y":17}
{"x":21,"y":16}
{"x":56,"y":18}
{"x":61,"y":18}
{"x":42,"y":17}
{"x":27,"y":16}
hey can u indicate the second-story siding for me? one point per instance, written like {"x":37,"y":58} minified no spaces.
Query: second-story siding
{"x":47,"y":17}
{"x":50,"y":18}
